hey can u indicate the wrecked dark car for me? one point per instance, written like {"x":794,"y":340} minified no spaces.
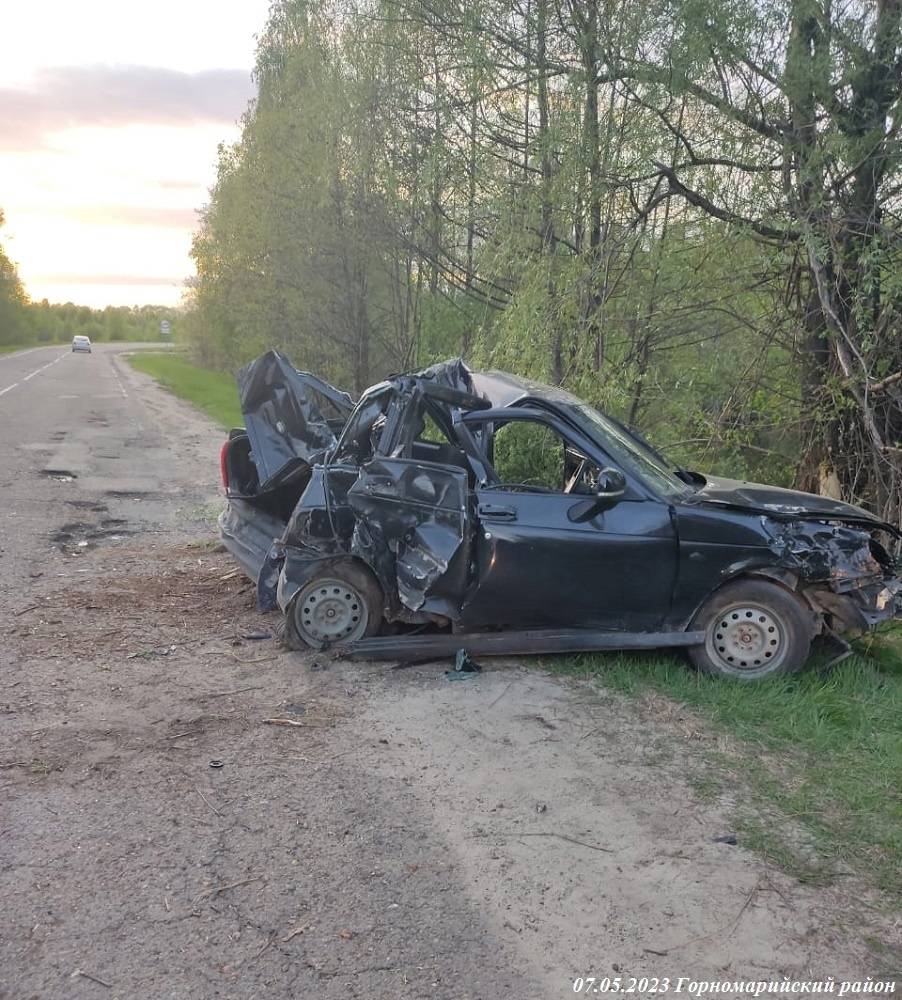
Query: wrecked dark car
{"x":451,"y":509}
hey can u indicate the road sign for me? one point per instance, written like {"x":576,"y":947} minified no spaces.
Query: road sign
{"x":165,"y":327}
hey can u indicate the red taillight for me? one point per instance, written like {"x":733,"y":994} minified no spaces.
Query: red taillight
{"x":224,"y":464}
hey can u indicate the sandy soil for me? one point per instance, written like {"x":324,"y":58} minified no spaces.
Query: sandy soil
{"x":405,"y":836}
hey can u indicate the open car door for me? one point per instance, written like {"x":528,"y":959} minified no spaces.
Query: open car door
{"x":292,"y":418}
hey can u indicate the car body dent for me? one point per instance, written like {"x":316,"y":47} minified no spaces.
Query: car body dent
{"x":412,"y":522}
{"x":448,"y":544}
{"x":778,"y":502}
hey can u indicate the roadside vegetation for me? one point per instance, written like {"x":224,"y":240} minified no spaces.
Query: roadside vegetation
{"x":686,"y":211}
{"x":812,"y":763}
{"x":213,"y":392}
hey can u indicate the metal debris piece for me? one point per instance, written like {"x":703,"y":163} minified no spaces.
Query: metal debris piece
{"x":463,"y":662}
{"x":464,"y":667}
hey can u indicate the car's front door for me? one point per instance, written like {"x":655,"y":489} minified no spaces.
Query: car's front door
{"x":545,"y":556}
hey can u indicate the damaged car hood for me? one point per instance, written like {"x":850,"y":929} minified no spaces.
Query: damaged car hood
{"x":780,"y":503}
{"x":291,"y":417}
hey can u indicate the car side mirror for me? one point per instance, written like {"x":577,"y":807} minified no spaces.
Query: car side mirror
{"x":611,"y":484}
{"x":610,"y":487}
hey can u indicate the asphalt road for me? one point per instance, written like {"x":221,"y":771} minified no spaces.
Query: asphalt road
{"x":81,"y":429}
{"x":188,"y":810}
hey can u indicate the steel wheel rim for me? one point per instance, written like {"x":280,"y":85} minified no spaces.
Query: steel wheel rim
{"x":328,"y":611}
{"x":747,"y":640}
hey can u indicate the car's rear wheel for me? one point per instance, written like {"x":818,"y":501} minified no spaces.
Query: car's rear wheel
{"x":753,"y":629}
{"x":342,"y":605}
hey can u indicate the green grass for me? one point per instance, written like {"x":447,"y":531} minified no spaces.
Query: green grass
{"x":215,"y":393}
{"x":822,"y":749}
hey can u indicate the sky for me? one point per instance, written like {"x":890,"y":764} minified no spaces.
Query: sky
{"x":110,"y":117}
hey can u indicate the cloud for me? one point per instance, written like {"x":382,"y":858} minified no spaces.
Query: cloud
{"x":181,"y":185}
{"x":133,"y":215}
{"x":104,"y":279}
{"x":72,"y":96}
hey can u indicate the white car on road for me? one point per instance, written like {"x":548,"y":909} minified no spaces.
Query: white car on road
{"x":80,"y":343}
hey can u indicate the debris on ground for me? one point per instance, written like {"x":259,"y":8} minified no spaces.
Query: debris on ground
{"x":464,"y":666}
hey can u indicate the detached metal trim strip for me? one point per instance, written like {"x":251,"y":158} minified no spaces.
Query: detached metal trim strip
{"x":573,"y":640}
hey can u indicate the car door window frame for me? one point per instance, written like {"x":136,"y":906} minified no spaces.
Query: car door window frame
{"x":472,"y":420}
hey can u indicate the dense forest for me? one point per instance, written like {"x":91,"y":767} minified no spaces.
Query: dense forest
{"x":687,"y":211}
{"x":23,"y":322}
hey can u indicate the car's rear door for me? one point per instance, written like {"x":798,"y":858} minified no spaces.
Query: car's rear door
{"x":413,"y":528}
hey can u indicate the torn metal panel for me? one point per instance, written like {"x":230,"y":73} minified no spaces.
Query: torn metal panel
{"x":291,"y":417}
{"x":268,"y":577}
{"x":248,"y":533}
{"x":842,"y":555}
{"x":362,"y":434}
{"x":856,"y":609}
{"x":322,"y":519}
{"x":413,"y":516}
{"x":453,"y":374}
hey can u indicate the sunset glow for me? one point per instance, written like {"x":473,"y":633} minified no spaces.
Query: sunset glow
{"x":108,"y":135}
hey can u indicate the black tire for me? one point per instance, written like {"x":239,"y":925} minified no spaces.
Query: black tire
{"x":753,"y":629}
{"x":341,"y":604}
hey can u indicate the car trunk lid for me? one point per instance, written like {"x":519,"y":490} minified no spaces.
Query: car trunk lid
{"x":292,"y":418}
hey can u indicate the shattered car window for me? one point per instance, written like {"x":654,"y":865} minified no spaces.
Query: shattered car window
{"x":430,"y":432}
{"x":360,"y":438}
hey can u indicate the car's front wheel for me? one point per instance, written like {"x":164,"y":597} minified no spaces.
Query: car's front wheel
{"x":342,"y":605}
{"x":753,"y":629}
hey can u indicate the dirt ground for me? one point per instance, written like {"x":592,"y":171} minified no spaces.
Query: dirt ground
{"x":404,"y":836}
{"x":393,"y":835}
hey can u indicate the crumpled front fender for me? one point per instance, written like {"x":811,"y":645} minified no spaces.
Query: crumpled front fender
{"x":859,"y":609}
{"x":836,"y":554}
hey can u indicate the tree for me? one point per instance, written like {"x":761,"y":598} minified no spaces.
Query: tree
{"x":13,"y":300}
{"x":803,"y":100}
{"x":686,"y":210}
